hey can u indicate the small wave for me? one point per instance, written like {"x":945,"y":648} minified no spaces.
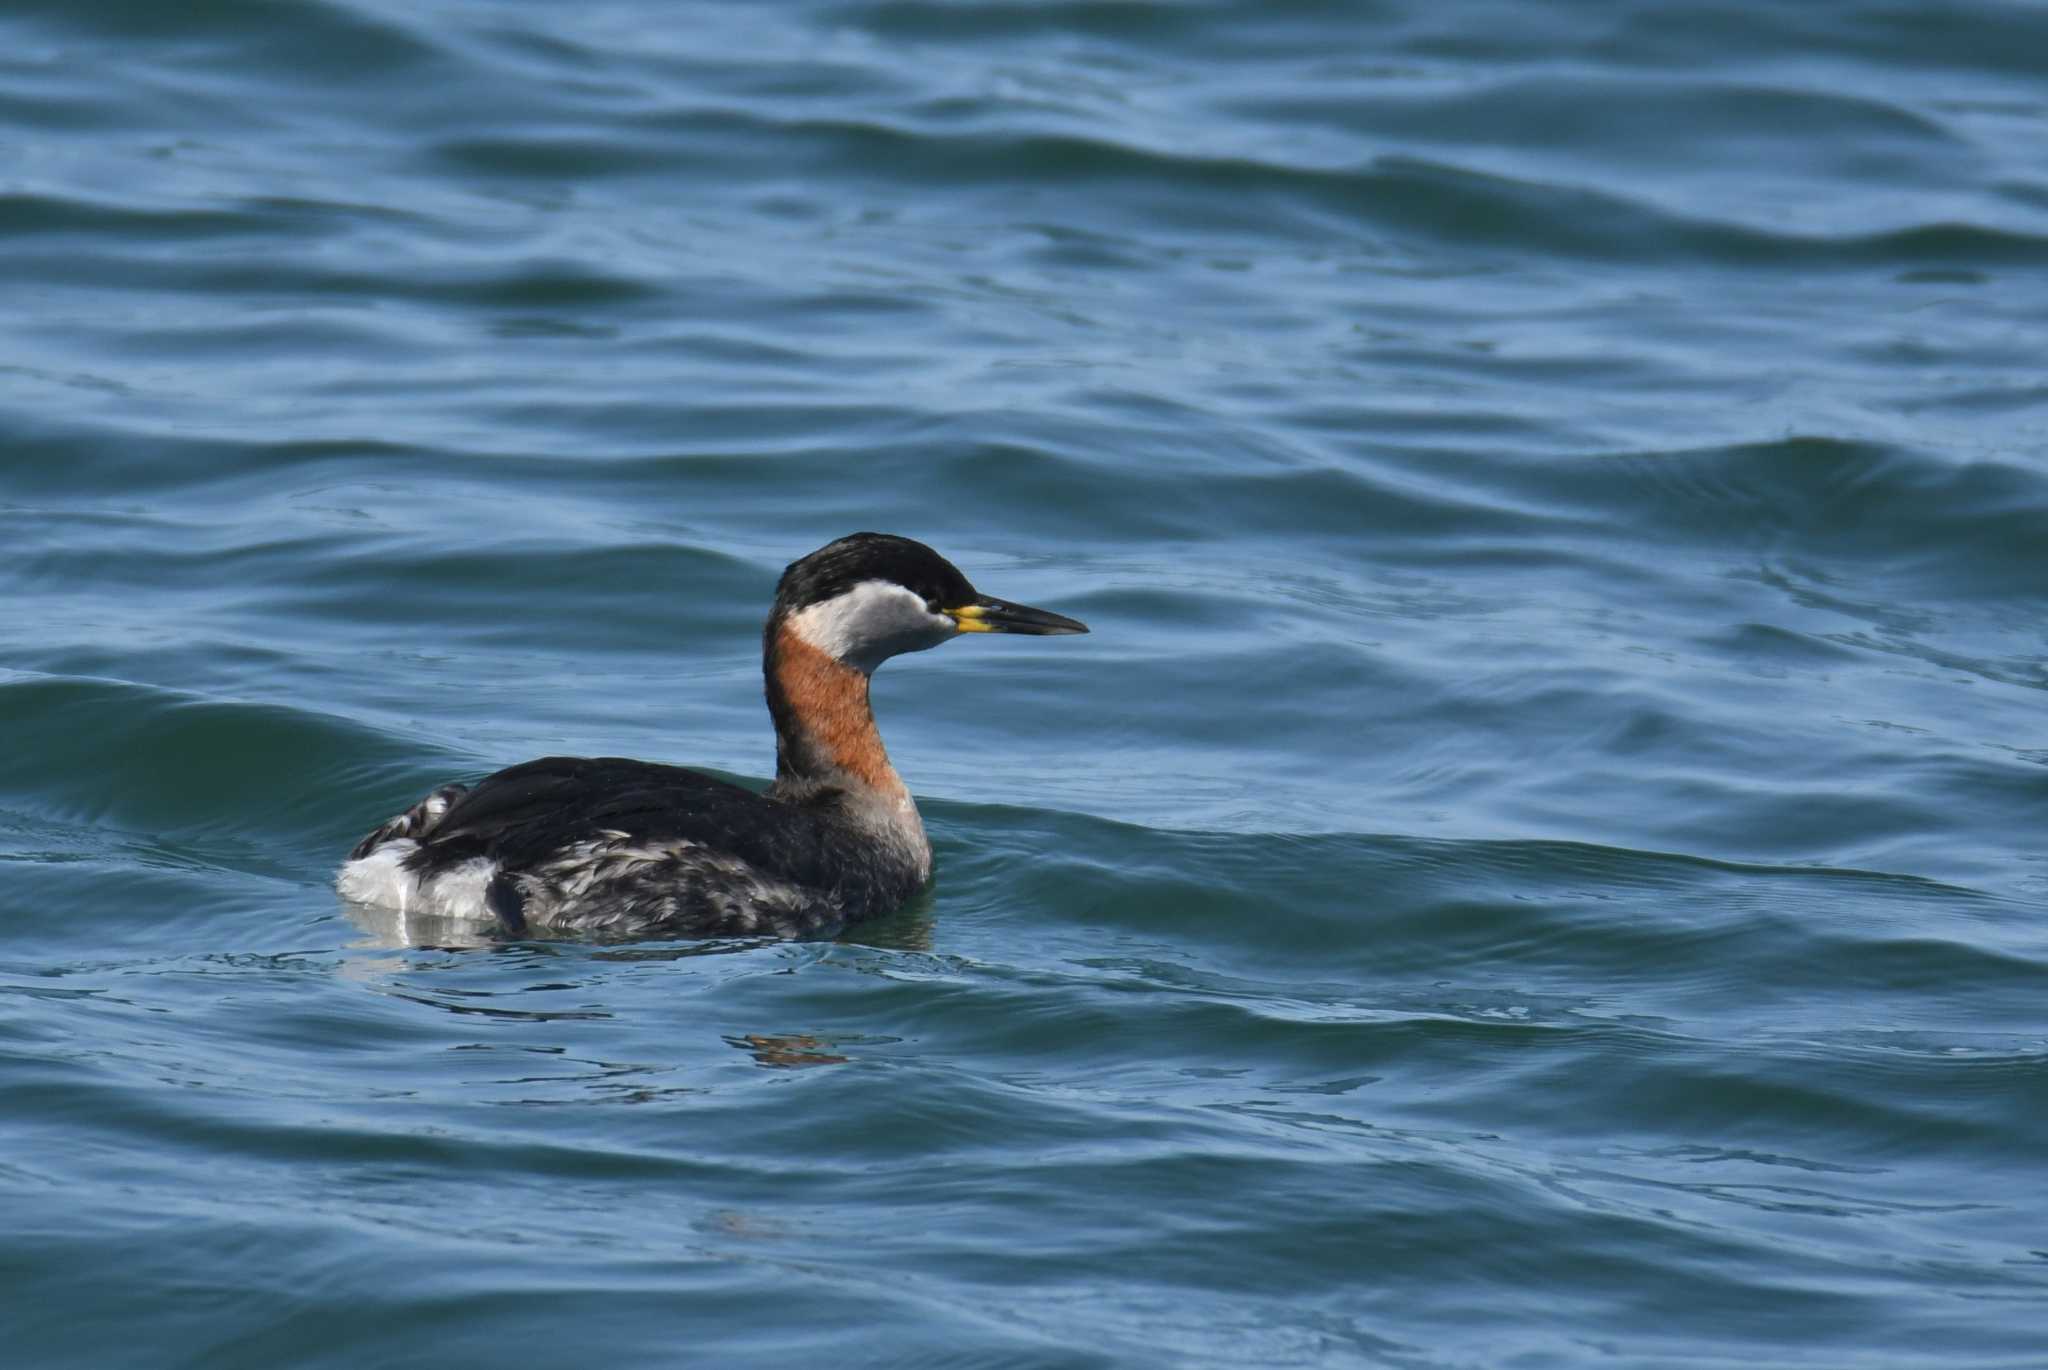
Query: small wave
{"x":325,"y":36}
{"x":148,"y":760}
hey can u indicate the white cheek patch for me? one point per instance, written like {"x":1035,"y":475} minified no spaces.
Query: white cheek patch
{"x":870,"y":623}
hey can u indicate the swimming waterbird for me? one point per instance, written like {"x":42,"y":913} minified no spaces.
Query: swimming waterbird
{"x":624,"y":848}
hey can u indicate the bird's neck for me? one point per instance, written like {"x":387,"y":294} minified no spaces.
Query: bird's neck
{"x":825,"y":735}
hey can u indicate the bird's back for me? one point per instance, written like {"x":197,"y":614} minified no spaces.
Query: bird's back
{"x":621,"y":847}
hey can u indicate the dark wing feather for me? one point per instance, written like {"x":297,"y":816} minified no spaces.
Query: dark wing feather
{"x":527,"y":813}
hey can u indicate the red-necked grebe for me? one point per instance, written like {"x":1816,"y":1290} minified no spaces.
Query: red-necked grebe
{"x":627,"y":848}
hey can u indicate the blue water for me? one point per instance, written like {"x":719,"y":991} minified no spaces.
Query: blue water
{"x":1540,"y":862}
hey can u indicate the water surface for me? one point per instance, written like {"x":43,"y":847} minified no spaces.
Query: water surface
{"x":1539,"y":863}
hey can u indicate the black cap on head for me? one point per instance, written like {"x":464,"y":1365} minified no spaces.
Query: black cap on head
{"x":838,"y":566}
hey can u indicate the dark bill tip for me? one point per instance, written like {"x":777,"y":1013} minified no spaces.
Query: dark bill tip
{"x":1000,"y":616}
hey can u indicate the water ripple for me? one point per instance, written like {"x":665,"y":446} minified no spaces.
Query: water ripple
{"x":1539,"y":859}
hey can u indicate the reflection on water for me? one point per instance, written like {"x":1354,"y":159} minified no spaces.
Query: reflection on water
{"x":907,"y":929}
{"x":787,"y":1051}
{"x":392,"y":928}
{"x":495,"y":989}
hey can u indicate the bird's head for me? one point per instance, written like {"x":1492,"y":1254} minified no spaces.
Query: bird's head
{"x":870,"y":596}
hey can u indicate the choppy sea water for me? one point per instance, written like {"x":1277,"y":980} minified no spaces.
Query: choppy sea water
{"x":1540,"y":862}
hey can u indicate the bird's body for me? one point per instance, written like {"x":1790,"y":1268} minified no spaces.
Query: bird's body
{"x":624,"y":848}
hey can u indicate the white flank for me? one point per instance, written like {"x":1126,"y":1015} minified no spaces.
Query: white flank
{"x":381,"y":879}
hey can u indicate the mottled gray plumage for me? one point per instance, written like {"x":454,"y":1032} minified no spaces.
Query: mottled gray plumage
{"x":612,"y":845}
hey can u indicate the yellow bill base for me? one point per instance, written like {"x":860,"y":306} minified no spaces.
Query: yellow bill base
{"x":969,"y":617}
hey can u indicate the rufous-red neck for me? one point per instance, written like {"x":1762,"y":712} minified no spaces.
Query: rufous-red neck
{"x":823,"y":722}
